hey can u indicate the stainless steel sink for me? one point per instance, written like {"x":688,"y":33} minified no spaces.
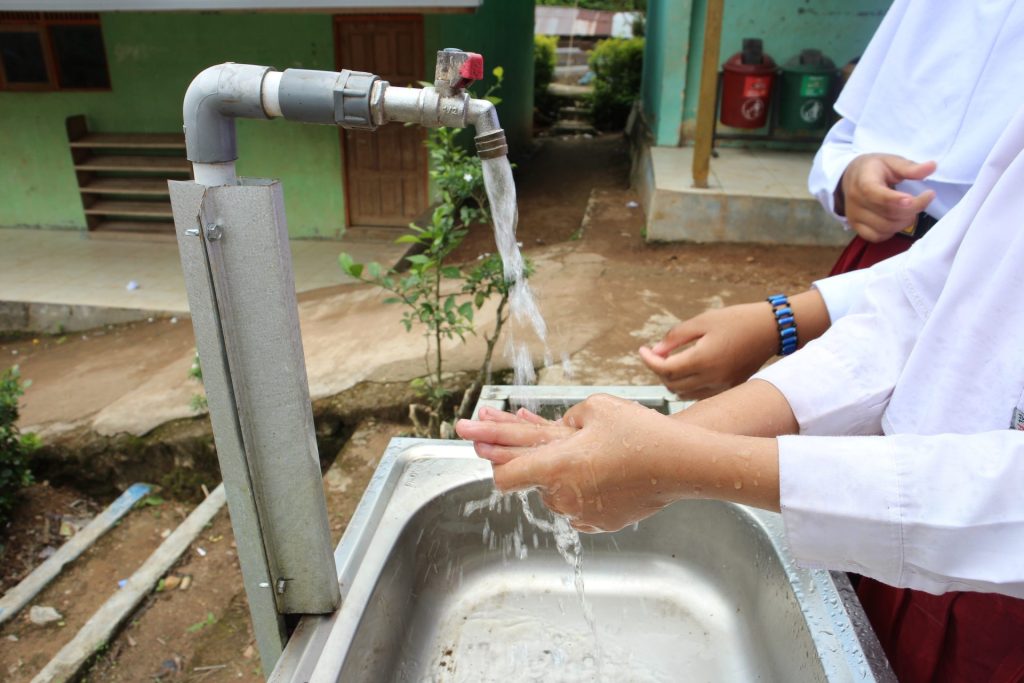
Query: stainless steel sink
{"x":442,"y":580}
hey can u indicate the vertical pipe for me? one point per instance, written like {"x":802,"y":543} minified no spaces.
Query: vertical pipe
{"x":704,"y":135}
{"x":215,"y":175}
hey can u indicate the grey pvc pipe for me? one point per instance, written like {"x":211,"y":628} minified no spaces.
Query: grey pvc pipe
{"x":214,"y":99}
{"x":222,"y":93}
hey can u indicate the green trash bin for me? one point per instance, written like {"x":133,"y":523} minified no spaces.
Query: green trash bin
{"x":805,"y":95}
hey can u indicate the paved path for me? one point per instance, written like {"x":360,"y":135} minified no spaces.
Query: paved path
{"x":66,"y":267}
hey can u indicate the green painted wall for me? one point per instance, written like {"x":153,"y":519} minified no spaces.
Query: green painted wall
{"x":840,"y":28}
{"x":665,"y":57}
{"x":502,"y":31}
{"x":153,"y":57}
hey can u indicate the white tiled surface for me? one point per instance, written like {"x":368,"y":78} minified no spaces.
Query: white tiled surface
{"x":66,"y":267}
{"x":749,"y":172}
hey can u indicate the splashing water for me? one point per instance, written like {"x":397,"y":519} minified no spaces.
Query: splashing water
{"x":514,"y":545}
{"x":524,"y":313}
{"x":525,"y":317}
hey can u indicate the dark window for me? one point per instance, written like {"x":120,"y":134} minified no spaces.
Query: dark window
{"x":24,"y":61}
{"x":52,"y":51}
{"x":78,"y":51}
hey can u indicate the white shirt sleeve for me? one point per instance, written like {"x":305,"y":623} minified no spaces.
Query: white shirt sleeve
{"x":840,"y":383}
{"x":834,"y":155}
{"x":935,"y":513}
{"x":841,"y":292}
{"x":924,"y":512}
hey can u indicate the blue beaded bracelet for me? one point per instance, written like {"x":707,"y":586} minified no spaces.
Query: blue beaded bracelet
{"x":788,"y":340}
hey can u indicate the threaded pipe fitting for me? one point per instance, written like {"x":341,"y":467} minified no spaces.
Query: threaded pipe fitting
{"x":492,"y":145}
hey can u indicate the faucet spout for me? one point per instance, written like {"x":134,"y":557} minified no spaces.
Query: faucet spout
{"x":490,"y":138}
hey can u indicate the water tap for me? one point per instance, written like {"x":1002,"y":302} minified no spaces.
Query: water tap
{"x":448,"y":104}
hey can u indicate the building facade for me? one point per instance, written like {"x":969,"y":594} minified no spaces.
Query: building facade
{"x":332,"y":178}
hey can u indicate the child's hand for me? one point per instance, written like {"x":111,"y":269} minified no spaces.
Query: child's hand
{"x":606,"y":464}
{"x":729,"y":345}
{"x":866,"y":196}
{"x":499,"y":436}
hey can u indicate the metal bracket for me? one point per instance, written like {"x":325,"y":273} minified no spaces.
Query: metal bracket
{"x":242,"y":297}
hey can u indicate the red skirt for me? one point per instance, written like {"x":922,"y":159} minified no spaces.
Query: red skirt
{"x":950,"y":638}
{"x":860,"y":253}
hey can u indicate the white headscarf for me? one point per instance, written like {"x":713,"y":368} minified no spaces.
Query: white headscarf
{"x":922,"y":55}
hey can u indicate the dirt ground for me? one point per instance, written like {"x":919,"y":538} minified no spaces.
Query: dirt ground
{"x":572,"y":191}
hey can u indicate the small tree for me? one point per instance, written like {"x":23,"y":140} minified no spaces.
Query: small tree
{"x":14,"y":446}
{"x":437,"y":295}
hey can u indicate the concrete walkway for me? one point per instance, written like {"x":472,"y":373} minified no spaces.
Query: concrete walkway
{"x":67,"y":268}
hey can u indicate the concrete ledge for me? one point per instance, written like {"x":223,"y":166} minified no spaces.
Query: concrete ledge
{"x":21,"y":316}
{"x":756,"y":196}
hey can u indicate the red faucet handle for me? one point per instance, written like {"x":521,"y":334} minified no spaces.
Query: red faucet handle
{"x":473,"y":68}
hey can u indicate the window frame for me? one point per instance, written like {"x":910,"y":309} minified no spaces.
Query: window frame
{"x":41,"y":23}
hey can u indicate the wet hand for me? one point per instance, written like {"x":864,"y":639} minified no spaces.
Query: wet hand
{"x":728,"y":346}
{"x":866,"y":196}
{"x":499,"y":436}
{"x":606,"y":464}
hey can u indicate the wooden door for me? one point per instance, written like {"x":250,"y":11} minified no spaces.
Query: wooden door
{"x":386,"y":170}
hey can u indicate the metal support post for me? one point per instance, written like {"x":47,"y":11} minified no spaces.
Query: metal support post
{"x":236,"y":259}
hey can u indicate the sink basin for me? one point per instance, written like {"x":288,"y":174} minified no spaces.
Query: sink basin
{"x":444,"y":580}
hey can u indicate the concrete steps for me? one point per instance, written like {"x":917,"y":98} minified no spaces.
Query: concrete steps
{"x":574,"y":117}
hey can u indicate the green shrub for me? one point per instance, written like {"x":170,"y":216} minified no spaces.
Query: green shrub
{"x":618,"y":66}
{"x":544,"y":62}
{"x":611,"y":5}
{"x":14,"y":446}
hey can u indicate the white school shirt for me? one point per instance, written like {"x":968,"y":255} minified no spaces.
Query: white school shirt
{"x":938,"y":81}
{"x":932,"y":356}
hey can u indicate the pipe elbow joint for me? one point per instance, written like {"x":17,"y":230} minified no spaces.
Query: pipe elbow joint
{"x":217,"y":96}
{"x":483,"y":116}
{"x":490,"y":138}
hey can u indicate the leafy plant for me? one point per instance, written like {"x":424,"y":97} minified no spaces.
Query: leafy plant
{"x":15,"y":447}
{"x":437,"y":295}
{"x":618,"y":65}
{"x":210,"y":620}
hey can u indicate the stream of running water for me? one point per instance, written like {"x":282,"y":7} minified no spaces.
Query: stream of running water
{"x":525,"y":320}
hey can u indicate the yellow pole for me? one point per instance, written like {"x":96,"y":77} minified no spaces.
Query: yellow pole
{"x":706,"y":113}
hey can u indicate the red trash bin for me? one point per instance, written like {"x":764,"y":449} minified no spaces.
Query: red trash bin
{"x":747,"y":81}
